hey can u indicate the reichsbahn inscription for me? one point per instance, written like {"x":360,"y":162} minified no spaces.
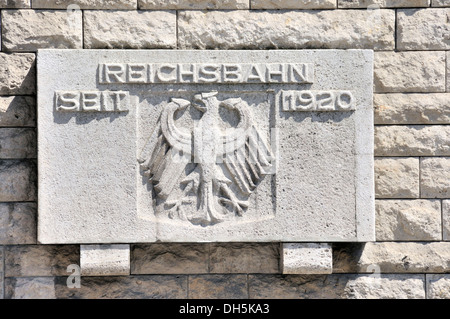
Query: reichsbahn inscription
{"x":195,"y":146}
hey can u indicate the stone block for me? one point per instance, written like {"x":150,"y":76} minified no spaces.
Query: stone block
{"x":30,"y":288}
{"x":435,"y":177}
{"x":307,"y":258}
{"x":412,"y":140}
{"x":17,"y":180}
{"x":408,"y":220}
{"x":17,"y":223}
{"x":18,"y":143}
{"x":193,"y":4}
{"x":105,"y":260}
{"x":218,"y":287}
{"x":409,"y":72}
{"x":440,"y":3}
{"x":17,"y":111}
{"x":30,"y":30}
{"x":129,"y":29}
{"x":40,"y":260}
{"x":169,"y":258}
{"x":382,"y":3}
{"x":15,"y":4}
{"x":446,"y":219}
{"x":398,"y":108}
{"x":85,"y":4}
{"x":244,"y":258}
{"x":293,"y":4}
{"x":396,"y":177}
{"x":275,"y":29}
{"x":17,"y":74}
{"x":438,"y":286}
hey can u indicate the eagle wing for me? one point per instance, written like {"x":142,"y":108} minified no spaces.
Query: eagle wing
{"x":245,"y":154}
{"x":168,"y":151}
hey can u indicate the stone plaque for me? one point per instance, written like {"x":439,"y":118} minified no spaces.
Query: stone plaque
{"x":201,"y":146}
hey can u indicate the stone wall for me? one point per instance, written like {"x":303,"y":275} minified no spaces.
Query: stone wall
{"x":411,"y":39}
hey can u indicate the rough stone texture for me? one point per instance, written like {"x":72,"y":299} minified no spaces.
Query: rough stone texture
{"x":17,"y":74}
{"x":30,"y":288}
{"x":12,"y":4}
{"x":17,"y":223}
{"x":105,"y":260}
{"x":412,"y":140}
{"x":193,"y":4}
{"x":433,"y":33}
{"x":446,"y":219}
{"x":448,"y":72}
{"x":386,"y":287}
{"x":85,"y":4}
{"x":17,"y":180}
{"x":129,"y":29}
{"x":382,"y":3}
{"x":169,"y":259}
{"x":397,"y":177}
{"x":392,"y":257}
{"x":409,"y":72}
{"x":293,"y":4}
{"x":435,"y":177}
{"x":342,"y":29}
{"x":408,"y":220}
{"x":125,"y":287}
{"x":17,"y":111}
{"x":306,"y":258}
{"x":40,"y":260}
{"x":244,"y":258}
{"x":440,"y":3}
{"x":2,"y":277}
{"x":397,"y":108}
{"x":18,"y":143}
{"x":29,"y":30}
{"x":218,"y":287}
{"x":438,"y":286}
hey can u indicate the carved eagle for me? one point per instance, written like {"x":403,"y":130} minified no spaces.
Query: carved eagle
{"x":242,"y":151}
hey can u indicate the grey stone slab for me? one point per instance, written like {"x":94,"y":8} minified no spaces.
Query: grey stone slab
{"x":18,"y":223}
{"x":17,"y":111}
{"x":446,"y":219}
{"x":438,"y":286}
{"x":440,"y":3}
{"x":30,"y":288}
{"x":18,"y":180}
{"x":15,"y":4}
{"x":218,"y":287}
{"x":126,"y":156}
{"x":18,"y":143}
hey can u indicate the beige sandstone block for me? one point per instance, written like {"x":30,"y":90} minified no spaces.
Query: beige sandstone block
{"x":193,"y":4}
{"x":409,"y":72}
{"x":382,"y":3}
{"x":15,"y":4}
{"x":17,"y":111}
{"x":17,"y":74}
{"x":129,"y":29}
{"x":307,"y":258}
{"x":85,"y":4}
{"x":435,"y":177}
{"x":438,"y":286}
{"x":293,"y":4}
{"x":396,"y":177}
{"x":440,"y":3}
{"x":105,"y":260}
{"x":446,"y":219}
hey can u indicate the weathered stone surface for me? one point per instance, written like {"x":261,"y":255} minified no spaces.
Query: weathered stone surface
{"x":29,"y":30}
{"x":17,"y":143}
{"x":169,"y":259}
{"x":408,"y":220}
{"x":193,"y":4}
{"x":30,"y":288}
{"x":17,"y":180}
{"x":12,"y":4}
{"x":446,"y":219}
{"x":412,"y":140}
{"x":244,"y":258}
{"x":440,"y":3}
{"x":306,"y":258}
{"x":17,"y":223}
{"x":2,"y":277}
{"x":397,"y":177}
{"x":40,"y":260}
{"x":129,"y":29}
{"x":293,"y":4}
{"x":218,"y":287}
{"x":438,"y":286}
{"x":105,"y":260}
{"x":409,"y":72}
{"x":382,"y":3}
{"x":17,"y":111}
{"x":448,"y":72}
{"x":398,"y":108}
{"x":17,"y":74}
{"x":393,"y":257}
{"x":435,"y":177}
{"x":342,"y":29}
{"x":85,"y":4}
{"x":386,"y":287}
{"x":433,"y":34}
{"x":125,"y":287}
